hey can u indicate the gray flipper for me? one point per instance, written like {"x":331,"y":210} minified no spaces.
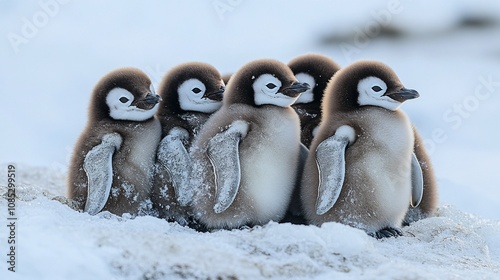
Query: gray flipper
{"x":417,"y":182}
{"x":223,"y":152}
{"x":99,"y":169}
{"x":330,"y":159}
{"x":175,"y":160}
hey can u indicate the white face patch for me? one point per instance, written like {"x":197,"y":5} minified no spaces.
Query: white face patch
{"x":371,"y":91}
{"x":119,"y":100}
{"x":266,"y":88}
{"x":191,"y":97}
{"x":307,"y":96}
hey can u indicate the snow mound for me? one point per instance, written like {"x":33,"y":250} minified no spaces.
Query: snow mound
{"x":56,"y":242}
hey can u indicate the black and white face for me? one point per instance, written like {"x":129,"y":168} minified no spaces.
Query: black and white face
{"x":372,"y":91}
{"x":193,"y":97}
{"x":308,"y":95}
{"x":267,"y":91}
{"x":123,"y":105}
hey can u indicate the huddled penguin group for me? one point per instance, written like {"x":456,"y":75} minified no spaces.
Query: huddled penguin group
{"x":308,"y":143}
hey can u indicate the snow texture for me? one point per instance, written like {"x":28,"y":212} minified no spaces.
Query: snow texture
{"x":98,"y":166}
{"x":223,"y":153}
{"x":56,"y":242}
{"x":175,"y":160}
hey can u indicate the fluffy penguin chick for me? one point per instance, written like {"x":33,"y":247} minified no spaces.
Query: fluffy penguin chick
{"x":360,"y":169}
{"x":246,"y":155}
{"x":191,"y":93}
{"x":113,"y":160}
{"x":316,"y":70}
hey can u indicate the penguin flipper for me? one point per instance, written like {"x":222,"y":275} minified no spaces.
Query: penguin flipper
{"x":417,"y":182}
{"x":223,"y":153}
{"x":99,"y":169}
{"x":175,"y":160}
{"x":330,"y":160}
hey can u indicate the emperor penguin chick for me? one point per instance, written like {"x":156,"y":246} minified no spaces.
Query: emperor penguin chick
{"x":113,"y":160}
{"x":361,"y":170}
{"x":316,"y":70}
{"x":245,"y":157}
{"x":191,"y":93}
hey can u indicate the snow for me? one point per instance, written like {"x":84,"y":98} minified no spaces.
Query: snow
{"x":447,"y":51}
{"x":56,"y":242}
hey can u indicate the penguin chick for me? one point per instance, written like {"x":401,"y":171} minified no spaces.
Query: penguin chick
{"x":191,"y":93}
{"x":245,"y":157}
{"x":112,"y":165}
{"x":316,"y":70}
{"x":361,"y":170}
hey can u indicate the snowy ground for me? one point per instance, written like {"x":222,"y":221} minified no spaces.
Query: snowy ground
{"x":56,"y":242}
{"x":449,"y":51}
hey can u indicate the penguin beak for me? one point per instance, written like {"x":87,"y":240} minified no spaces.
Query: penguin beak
{"x":215,"y":95}
{"x":295,"y":89}
{"x":152,"y":98}
{"x":404,"y":94}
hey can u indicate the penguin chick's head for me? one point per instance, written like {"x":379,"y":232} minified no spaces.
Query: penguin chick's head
{"x":193,"y":86}
{"x":366,"y":83}
{"x":316,"y":70}
{"x":124,"y":94}
{"x":263,"y":82}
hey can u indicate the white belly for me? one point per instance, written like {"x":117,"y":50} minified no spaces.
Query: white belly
{"x":143,"y":147}
{"x":269,"y":165}
{"x":388,"y":163}
{"x":393,"y":190}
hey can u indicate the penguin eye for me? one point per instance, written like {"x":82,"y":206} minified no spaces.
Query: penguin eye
{"x":123,"y":99}
{"x":270,"y":86}
{"x":376,"y":88}
{"x":196,"y":90}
